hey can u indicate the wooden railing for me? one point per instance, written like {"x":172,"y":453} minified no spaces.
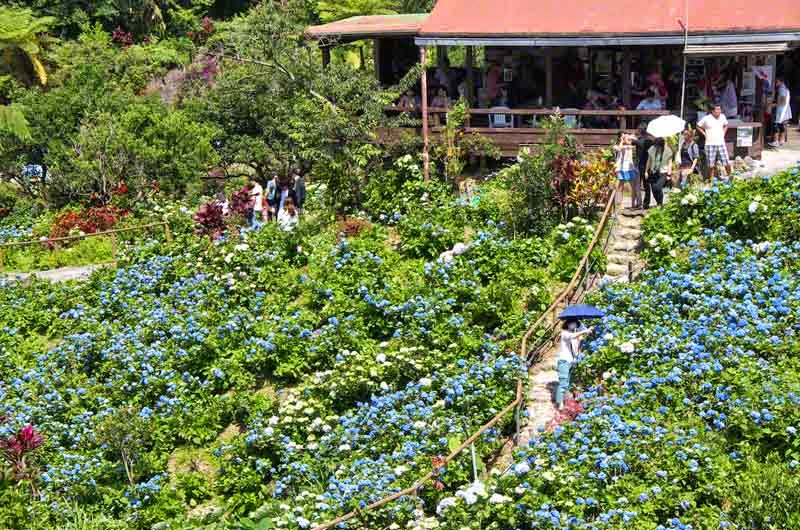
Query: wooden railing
{"x":625,"y":119}
{"x":546,"y":326}
{"x":113,"y":233}
{"x":579,"y":278}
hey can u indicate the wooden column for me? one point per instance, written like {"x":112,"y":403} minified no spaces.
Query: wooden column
{"x":470,"y":60}
{"x":548,"y":78}
{"x":423,"y":58}
{"x":377,"y":50}
{"x":627,"y":58}
{"x":326,"y":56}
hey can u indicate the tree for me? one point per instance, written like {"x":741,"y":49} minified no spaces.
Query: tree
{"x":299,"y":113}
{"x":19,"y":43}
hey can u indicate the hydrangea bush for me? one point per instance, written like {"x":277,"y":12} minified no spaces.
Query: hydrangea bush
{"x":287,"y":377}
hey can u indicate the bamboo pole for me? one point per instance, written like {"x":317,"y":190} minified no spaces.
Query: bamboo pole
{"x":423,"y":58}
{"x":72,"y":238}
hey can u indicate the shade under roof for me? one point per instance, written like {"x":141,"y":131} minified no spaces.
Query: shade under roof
{"x":370,"y":27}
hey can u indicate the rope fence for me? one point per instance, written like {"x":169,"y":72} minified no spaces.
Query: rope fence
{"x":576,"y":288}
{"x":113,"y":233}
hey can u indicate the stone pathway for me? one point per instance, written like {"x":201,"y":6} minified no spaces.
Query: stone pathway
{"x":624,"y":245}
{"x":540,"y":405}
{"x":63,"y":274}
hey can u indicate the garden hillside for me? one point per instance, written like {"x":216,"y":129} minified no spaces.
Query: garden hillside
{"x":284,"y":378}
{"x":689,"y":414}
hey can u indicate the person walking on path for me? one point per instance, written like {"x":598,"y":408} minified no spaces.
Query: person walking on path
{"x":299,"y":190}
{"x":567,"y":355}
{"x":713,"y":127}
{"x":625,"y":166}
{"x":657,"y":171}
{"x":257,"y":195}
{"x":783,"y":112}
{"x":687,"y":157}
{"x":643,"y":144}
{"x":271,"y":198}
{"x":285,"y":191}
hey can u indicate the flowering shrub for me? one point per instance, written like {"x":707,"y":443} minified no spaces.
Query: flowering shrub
{"x":756,"y":209}
{"x":356,"y":370}
{"x":88,"y":220}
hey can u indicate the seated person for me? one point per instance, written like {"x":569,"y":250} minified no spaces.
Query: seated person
{"x":651,"y":102}
{"x":440,"y":101}
{"x":407,"y":101}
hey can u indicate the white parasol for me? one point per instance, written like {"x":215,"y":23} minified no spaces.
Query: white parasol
{"x":665,"y":126}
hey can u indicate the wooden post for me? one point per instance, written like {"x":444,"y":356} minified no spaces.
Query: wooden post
{"x":377,"y":52}
{"x":326,"y":56}
{"x":167,"y":233}
{"x":548,"y":82}
{"x":423,"y":58}
{"x":114,"y":246}
{"x":627,"y":58}
{"x":470,"y":60}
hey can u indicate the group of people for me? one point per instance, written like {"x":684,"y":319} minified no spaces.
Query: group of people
{"x":650,"y":163}
{"x":281,"y":201}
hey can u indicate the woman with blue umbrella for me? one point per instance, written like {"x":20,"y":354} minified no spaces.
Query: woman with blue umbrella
{"x":570,"y":346}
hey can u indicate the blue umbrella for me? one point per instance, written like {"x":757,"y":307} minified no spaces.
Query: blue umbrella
{"x":580,"y":311}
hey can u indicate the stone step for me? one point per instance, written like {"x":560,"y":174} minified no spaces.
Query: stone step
{"x":629,"y":222}
{"x":631,"y":213}
{"x":625,"y":246}
{"x":621,"y":258}
{"x":615,"y":269}
{"x":628,"y":233}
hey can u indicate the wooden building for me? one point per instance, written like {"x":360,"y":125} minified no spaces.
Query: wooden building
{"x":547,"y":55}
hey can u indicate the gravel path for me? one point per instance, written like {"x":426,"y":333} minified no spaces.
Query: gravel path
{"x":63,"y":274}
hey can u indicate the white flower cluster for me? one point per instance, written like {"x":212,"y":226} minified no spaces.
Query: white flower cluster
{"x":756,"y":205}
{"x":690,"y":199}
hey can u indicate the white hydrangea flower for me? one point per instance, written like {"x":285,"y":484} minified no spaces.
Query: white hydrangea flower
{"x":626,"y":347}
{"x":496,"y":498}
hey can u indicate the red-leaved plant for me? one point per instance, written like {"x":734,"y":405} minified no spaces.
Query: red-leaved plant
{"x":15,"y":451}
{"x":241,"y":202}
{"x":88,"y":221}
{"x":565,"y":414}
{"x":210,"y":220}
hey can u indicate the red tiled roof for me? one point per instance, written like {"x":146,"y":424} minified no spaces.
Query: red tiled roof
{"x":508,"y":18}
{"x":370,"y":26}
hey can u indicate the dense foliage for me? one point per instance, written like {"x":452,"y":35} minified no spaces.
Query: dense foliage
{"x":210,"y":379}
{"x":689,"y":418}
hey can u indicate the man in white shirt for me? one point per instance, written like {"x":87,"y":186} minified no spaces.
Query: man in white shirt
{"x":714,"y":126}
{"x":257,"y":194}
{"x":783,"y":112}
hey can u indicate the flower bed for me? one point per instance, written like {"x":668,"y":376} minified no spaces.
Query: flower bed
{"x":689,"y":418}
{"x":156,"y":386}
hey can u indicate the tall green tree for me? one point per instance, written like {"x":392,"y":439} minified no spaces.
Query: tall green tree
{"x":20,"y":47}
{"x":287,"y":109}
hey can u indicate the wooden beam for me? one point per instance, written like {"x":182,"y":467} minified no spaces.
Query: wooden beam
{"x":548,"y":79}
{"x":423,"y":59}
{"x":627,"y":59}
